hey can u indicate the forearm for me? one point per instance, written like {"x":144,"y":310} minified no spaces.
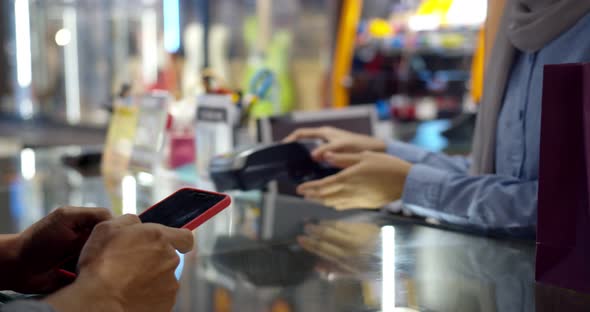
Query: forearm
{"x":10,"y":249}
{"x":489,"y":202}
{"x":416,"y":155}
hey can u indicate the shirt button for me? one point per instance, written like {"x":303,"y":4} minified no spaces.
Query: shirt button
{"x":520,"y":115}
{"x":512,"y":26}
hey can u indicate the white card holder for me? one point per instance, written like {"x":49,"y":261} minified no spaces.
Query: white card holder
{"x":216,"y":119}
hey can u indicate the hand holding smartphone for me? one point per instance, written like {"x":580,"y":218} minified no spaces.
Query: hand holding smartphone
{"x":187,"y":208}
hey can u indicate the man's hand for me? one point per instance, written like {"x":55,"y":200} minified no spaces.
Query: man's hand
{"x":337,"y":140}
{"x":126,"y":266}
{"x":369,"y":180}
{"x":41,"y":248}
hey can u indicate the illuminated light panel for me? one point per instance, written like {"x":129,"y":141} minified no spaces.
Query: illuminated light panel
{"x":23,"y":43}
{"x":149,"y":46}
{"x":388,"y":269}
{"x":171,"y":10}
{"x":71,"y":62}
{"x":129,"y":195}
{"x":28,"y":166}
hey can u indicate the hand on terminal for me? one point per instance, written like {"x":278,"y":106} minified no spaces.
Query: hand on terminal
{"x":337,"y":140}
{"x":126,"y":266}
{"x":369,"y":180}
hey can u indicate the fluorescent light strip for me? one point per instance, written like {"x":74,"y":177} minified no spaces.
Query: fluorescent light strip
{"x":149,"y":46}
{"x":129,"y":195}
{"x":72,"y":78}
{"x":171,"y":10}
{"x":23,"y":43}
{"x":388,"y":269}
{"x":28,"y":166}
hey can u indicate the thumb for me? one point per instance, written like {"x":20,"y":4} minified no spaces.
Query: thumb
{"x":343,"y":160}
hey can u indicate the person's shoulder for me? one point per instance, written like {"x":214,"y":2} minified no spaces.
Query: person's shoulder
{"x":579,"y":30}
{"x":577,"y":41}
{"x":581,"y":43}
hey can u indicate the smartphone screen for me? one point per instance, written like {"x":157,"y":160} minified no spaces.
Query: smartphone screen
{"x":179,"y":209}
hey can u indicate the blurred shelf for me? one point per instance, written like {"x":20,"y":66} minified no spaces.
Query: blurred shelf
{"x":47,"y":133}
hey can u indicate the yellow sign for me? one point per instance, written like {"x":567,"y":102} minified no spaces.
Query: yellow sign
{"x":117,"y":151}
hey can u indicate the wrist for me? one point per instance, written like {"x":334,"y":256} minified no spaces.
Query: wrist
{"x":399,"y":172}
{"x":85,"y":294}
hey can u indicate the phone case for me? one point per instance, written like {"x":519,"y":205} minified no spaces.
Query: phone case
{"x":193,"y":224}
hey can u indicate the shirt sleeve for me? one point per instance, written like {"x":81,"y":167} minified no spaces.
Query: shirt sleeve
{"x":26,"y":306}
{"x":487,"y":202}
{"x":416,"y":155}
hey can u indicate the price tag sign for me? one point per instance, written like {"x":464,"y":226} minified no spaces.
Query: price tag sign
{"x":217,"y":116}
{"x":118,"y":148}
{"x":119,"y":142}
{"x":151,"y":126}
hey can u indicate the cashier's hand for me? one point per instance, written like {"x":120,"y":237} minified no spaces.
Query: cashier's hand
{"x":369,"y":180}
{"x":47,"y":244}
{"x":126,"y":266}
{"x":337,"y":140}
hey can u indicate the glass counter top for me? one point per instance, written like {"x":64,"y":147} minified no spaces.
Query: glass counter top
{"x":270,"y":252}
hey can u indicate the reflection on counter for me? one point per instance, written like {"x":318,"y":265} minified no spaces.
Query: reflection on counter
{"x":376,"y":267}
{"x":269,"y":250}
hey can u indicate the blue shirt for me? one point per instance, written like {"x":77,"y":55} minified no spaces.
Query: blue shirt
{"x":440,"y":187}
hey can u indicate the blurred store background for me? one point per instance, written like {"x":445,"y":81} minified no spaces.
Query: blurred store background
{"x":64,"y":61}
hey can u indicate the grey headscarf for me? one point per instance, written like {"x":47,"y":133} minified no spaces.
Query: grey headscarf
{"x":527,"y":25}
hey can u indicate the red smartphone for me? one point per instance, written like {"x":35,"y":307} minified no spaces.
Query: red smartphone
{"x":187,"y":208}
